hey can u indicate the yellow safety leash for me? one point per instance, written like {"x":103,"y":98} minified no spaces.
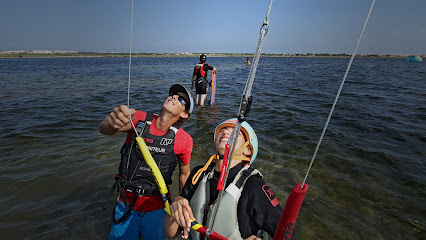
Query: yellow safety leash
{"x":155,"y":171}
{"x":164,"y":190}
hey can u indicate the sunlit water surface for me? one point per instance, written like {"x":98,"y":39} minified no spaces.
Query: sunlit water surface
{"x":367,"y":182}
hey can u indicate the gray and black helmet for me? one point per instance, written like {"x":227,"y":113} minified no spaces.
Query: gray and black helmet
{"x":203,"y":58}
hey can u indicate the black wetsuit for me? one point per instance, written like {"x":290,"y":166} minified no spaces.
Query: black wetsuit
{"x":257,"y":208}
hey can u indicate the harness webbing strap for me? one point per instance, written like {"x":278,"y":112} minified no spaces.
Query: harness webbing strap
{"x":127,"y":214}
{"x":123,"y":194}
{"x":244,"y":176}
{"x":206,"y":204}
{"x":114,"y":185}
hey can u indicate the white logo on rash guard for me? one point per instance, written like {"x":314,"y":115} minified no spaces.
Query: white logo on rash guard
{"x":166,"y":141}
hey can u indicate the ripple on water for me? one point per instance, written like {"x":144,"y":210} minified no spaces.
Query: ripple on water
{"x":367,"y":180}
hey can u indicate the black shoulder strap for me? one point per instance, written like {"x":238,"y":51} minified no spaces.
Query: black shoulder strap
{"x":206,"y":207}
{"x":244,"y":176}
{"x":140,"y":126}
{"x":149,"y":116}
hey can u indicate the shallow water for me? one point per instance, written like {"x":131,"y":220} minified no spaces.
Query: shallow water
{"x":367,"y":182}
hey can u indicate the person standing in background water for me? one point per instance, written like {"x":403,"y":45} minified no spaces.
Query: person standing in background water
{"x":200,"y":77}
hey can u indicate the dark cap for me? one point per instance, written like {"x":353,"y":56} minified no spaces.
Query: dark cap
{"x":181,"y":89}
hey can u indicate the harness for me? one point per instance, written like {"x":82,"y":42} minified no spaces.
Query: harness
{"x":134,"y":173}
{"x":199,"y":70}
{"x":227,"y":207}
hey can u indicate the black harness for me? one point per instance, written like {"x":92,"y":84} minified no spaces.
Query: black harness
{"x":135,"y":174}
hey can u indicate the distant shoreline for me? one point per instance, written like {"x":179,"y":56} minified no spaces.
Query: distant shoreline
{"x":75,"y":55}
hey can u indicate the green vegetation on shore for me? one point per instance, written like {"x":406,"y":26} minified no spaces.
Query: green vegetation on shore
{"x":92,"y":54}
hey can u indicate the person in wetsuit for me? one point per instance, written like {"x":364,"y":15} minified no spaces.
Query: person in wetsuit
{"x":256,"y":209}
{"x":140,"y":208}
{"x":199,"y":76}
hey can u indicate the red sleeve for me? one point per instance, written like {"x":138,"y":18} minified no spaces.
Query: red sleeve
{"x":183,"y":146}
{"x":139,"y":116}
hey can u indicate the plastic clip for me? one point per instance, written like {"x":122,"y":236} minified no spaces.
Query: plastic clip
{"x":165,"y":197}
{"x":244,"y":108}
{"x":208,"y":232}
{"x":138,"y":190}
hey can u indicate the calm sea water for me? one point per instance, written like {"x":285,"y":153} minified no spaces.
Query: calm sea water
{"x":367,"y":182}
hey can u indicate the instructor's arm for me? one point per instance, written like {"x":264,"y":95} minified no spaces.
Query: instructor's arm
{"x":192,"y":82}
{"x":184,"y":171}
{"x":180,"y":220}
{"x":117,"y":121}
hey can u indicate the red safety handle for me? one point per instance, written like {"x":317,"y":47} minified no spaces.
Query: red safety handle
{"x":291,"y":210}
{"x":224,"y":166}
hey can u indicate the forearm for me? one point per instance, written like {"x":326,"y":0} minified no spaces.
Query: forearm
{"x":117,"y":120}
{"x":170,"y":227}
{"x":180,"y":219}
{"x":184,"y":171}
{"x":182,"y":181}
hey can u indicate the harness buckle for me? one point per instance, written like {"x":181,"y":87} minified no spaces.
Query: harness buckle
{"x":165,"y":197}
{"x":246,"y":173}
{"x":138,"y":190}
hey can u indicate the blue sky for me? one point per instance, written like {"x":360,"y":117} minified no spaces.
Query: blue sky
{"x":221,"y":26}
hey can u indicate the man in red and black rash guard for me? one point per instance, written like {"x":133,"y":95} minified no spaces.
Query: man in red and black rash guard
{"x":200,"y":77}
{"x":140,"y":208}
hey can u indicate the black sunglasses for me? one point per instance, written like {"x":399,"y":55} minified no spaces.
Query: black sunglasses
{"x":180,"y":98}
